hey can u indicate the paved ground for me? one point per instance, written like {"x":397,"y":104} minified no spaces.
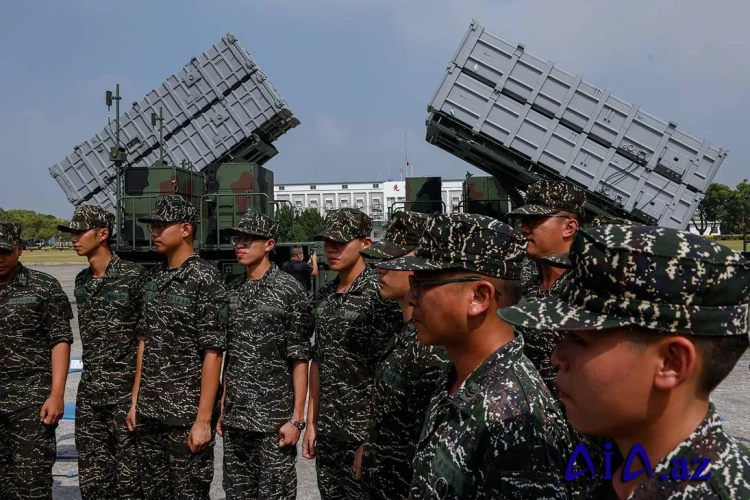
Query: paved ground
{"x":731,"y":400}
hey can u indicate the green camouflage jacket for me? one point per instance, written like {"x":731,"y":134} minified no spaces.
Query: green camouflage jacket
{"x":108,"y":311}
{"x":539,"y":344}
{"x":404,"y":384}
{"x":35,"y":316}
{"x":352,"y":330}
{"x":724,"y":476}
{"x":501,"y":436}
{"x":185,"y":311}
{"x":270,"y":325}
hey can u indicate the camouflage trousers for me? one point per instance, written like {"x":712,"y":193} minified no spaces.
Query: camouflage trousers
{"x":28,"y":449}
{"x":334,"y":463}
{"x":168,"y":468}
{"x":386,"y":471}
{"x":107,"y":454}
{"x":255,"y":466}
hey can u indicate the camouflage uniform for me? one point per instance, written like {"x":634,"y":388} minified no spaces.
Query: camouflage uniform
{"x":352,"y":331}
{"x":502,"y":434}
{"x":35,"y":316}
{"x":185,"y":311}
{"x":270,"y":325}
{"x":600,"y":220}
{"x":644,"y":276}
{"x":108,"y":309}
{"x":404,"y":382}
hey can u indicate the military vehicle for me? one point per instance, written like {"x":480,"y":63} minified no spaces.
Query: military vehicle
{"x":520,"y":119}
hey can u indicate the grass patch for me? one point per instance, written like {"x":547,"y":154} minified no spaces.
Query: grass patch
{"x":42,"y":256}
{"x":733,"y":244}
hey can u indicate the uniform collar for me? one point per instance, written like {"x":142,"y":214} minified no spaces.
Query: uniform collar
{"x":112,"y":271}
{"x":471,"y":390}
{"x":22,"y":276}
{"x":359,"y":284}
{"x":268,"y":279}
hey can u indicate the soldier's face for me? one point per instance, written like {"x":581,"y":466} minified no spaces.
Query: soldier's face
{"x":86,"y":242}
{"x":439,"y":312}
{"x":606,"y":382}
{"x":169,"y":236}
{"x":344,"y":255}
{"x":394,"y":285}
{"x":9,"y":261}
{"x":251,"y":251}
{"x":546,"y":234}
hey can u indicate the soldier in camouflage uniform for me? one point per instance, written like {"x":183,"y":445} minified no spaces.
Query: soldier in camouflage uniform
{"x":549,"y":219}
{"x":493,"y":430}
{"x":353,"y":326}
{"x":183,"y":334}
{"x":268,"y":347}
{"x":35,"y":316}
{"x":600,"y":220}
{"x":405,"y":379}
{"x":676,"y":306}
{"x":109,"y":299}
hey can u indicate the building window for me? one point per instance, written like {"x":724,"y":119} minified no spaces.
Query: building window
{"x":345,"y":186}
{"x":313,"y":187}
{"x":376,"y":186}
{"x":281,"y":188}
{"x":344,"y":203}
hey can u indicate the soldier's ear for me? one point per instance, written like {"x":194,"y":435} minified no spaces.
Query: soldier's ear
{"x":679,"y":362}
{"x":482,"y":294}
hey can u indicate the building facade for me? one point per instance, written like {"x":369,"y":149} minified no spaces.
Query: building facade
{"x":374,"y":198}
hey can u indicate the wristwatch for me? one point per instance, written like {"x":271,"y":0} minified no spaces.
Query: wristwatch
{"x":298,"y":425}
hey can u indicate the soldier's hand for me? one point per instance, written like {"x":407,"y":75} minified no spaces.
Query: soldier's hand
{"x":199,"y":437}
{"x":358,"y":462}
{"x":308,"y":445}
{"x":288,"y":435}
{"x":52,"y":411}
{"x":130,"y":419}
{"x":219,"y":427}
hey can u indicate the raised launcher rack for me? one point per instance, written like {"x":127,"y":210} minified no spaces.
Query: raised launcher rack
{"x":220,"y":106}
{"x":521,"y":119}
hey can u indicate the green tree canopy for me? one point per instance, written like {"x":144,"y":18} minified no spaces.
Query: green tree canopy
{"x":35,"y":225}
{"x":299,"y":226}
{"x":713,"y":208}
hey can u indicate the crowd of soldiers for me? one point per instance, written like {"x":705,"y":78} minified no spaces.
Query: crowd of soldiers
{"x":474,"y":360}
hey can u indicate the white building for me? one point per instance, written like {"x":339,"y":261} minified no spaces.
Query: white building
{"x":373,"y":198}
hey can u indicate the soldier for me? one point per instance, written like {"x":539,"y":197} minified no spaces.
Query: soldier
{"x":405,"y":379}
{"x":600,"y":220}
{"x":675,"y":306}
{"x":182,"y":333}
{"x":353,"y":326}
{"x":493,"y":429}
{"x":109,"y":299}
{"x":268,"y":347}
{"x":35,"y":340}
{"x":549,"y":220}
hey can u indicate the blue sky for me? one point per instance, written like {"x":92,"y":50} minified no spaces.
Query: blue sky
{"x":357,"y":73}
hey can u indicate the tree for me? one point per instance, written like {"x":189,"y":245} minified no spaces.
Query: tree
{"x":36,"y":226}
{"x":737,"y":217}
{"x":306,"y":224}
{"x":713,"y":208}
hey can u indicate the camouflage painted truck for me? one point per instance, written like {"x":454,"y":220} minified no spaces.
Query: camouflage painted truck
{"x":204,"y":134}
{"x":521,"y":118}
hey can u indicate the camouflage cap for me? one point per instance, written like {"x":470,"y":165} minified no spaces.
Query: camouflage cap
{"x":550,"y":197}
{"x":651,"y":277}
{"x":87,"y":217}
{"x":600,"y":220}
{"x":746,"y":254}
{"x":558,"y":260}
{"x":471,"y":242}
{"x":256,"y":224}
{"x":10,"y":235}
{"x":172,"y":208}
{"x":345,"y":224}
{"x":402,"y":236}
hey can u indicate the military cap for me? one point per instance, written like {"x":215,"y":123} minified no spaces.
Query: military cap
{"x":256,"y":224}
{"x":471,"y":242}
{"x":10,"y":235}
{"x":656,"y":278}
{"x":557,"y":260}
{"x":746,"y":254}
{"x":600,"y":220}
{"x":344,"y":225}
{"x":550,"y":197}
{"x":402,"y":236}
{"x":172,"y":208}
{"x":87,"y":217}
